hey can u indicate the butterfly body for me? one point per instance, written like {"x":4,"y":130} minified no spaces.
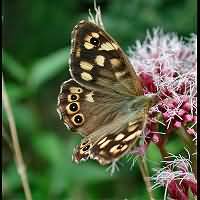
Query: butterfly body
{"x":104,"y":100}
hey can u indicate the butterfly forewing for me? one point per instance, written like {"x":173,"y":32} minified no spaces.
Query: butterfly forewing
{"x":98,"y":62}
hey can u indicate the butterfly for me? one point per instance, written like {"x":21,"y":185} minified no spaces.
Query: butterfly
{"x":104,"y":100}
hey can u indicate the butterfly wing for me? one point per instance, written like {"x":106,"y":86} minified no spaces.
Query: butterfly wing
{"x":110,"y":124}
{"x":111,"y":142}
{"x":104,"y":102}
{"x":84,"y":110}
{"x":98,"y":62}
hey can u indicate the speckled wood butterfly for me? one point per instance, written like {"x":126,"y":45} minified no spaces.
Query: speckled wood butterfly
{"x":104,"y":100}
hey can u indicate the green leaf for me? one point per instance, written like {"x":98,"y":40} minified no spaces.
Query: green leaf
{"x":13,"y":67}
{"x":153,"y":156}
{"x":191,"y":195}
{"x":16,"y":92}
{"x":47,"y":68}
{"x":58,"y":154}
{"x":174,"y":145}
{"x":25,"y":118}
{"x":10,"y":178}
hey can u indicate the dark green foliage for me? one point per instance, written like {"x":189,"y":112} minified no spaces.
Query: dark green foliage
{"x":36,"y":43}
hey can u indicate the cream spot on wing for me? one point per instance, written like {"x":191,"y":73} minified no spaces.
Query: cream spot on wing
{"x":115,"y":46}
{"x":120,"y":74}
{"x":88,"y":45}
{"x":82,"y":152}
{"x":96,"y":35}
{"x":78,"y":123}
{"x":104,"y":144}
{"x":100,"y":60}
{"x":114,"y":149}
{"x":67,"y":126}
{"x":103,"y":161}
{"x":86,"y":65}
{"x":88,"y":97}
{"x":78,"y":52}
{"x":132,"y":128}
{"x":124,"y":147}
{"x":92,"y":156}
{"x":86,"y":76}
{"x":69,"y":97}
{"x":76,"y":90}
{"x":132,"y":136}
{"x":84,"y":143}
{"x":101,"y":141}
{"x":133,"y":122}
{"x":107,"y":46}
{"x":101,"y":153}
{"x":115,"y":62}
{"x":87,"y":38}
{"x":119,"y":137}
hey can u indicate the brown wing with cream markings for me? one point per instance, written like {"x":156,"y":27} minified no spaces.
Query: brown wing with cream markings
{"x":110,"y":124}
{"x":85,"y":110}
{"x":111,"y":146}
{"x":104,"y":102}
{"x":98,"y":62}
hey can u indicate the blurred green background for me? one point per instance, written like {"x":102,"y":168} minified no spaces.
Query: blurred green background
{"x":36,"y":43}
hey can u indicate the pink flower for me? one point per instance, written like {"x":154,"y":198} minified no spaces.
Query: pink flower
{"x":167,"y":67}
{"x":177,"y":177}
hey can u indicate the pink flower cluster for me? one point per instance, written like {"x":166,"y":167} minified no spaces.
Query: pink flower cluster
{"x":176,"y":177}
{"x":167,"y":67}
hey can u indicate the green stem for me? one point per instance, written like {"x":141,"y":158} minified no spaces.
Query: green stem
{"x":21,"y":168}
{"x":163,"y":152}
{"x":145,"y":174}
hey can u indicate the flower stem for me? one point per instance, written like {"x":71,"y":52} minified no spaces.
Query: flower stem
{"x":145,"y":174}
{"x":163,"y":152}
{"x":16,"y":146}
{"x":190,"y":147}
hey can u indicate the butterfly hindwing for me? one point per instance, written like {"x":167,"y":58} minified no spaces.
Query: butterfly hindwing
{"x":98,"y":62}
{"x":110,"y":146}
